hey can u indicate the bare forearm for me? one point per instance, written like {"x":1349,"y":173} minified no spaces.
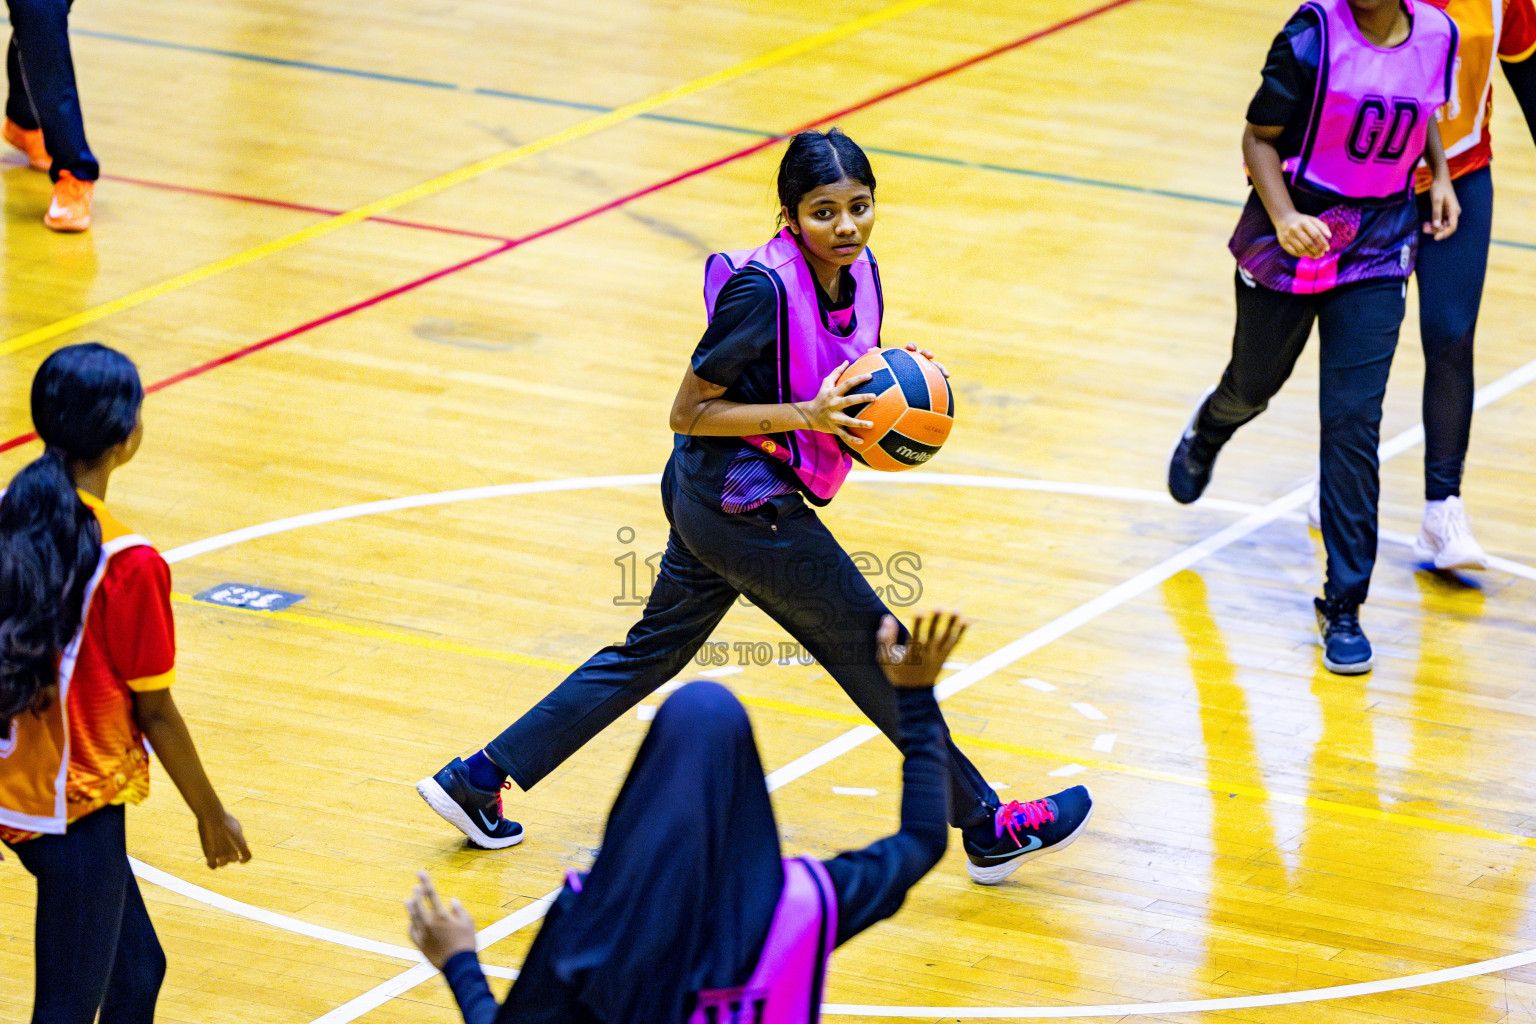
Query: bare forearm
{"x":1263,"y":161}
{"x":167,"y":733}
{"x":1434,"y":153}
{"x":721,"y":418}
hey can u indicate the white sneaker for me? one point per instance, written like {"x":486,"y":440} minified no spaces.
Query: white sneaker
{"x":1315,"y":507}
{"x":1446,"y":540}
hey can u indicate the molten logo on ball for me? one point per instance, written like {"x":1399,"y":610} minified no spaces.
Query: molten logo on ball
{"x":910,"y":404}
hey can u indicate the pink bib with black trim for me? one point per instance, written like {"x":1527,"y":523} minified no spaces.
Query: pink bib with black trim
{"x":806,"y":349}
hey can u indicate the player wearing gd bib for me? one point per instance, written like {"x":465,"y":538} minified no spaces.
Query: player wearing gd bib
{"x":1329,"y":234}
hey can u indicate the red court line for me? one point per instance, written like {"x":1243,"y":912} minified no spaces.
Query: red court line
{"x":166,"y":186}
{"x":510,"y":244}
{"x":240,"y":197}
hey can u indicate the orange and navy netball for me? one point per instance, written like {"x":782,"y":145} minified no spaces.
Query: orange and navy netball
{"x":911,"y":407}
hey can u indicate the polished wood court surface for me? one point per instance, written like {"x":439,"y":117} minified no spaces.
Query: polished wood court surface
{"x":1052,"y":222}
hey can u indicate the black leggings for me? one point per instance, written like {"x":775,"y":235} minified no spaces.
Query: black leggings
{"x":1357,"y":327}
{"x":95,"y":947}
{"x":788,"y":564}
{"x":41,"y":75}
{"x":1450,"y":275}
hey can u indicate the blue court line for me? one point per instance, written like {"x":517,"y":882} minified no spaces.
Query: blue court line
{"x":548,"y":101}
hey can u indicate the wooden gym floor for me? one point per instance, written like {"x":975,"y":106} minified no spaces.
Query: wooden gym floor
{"x":366,"y":251}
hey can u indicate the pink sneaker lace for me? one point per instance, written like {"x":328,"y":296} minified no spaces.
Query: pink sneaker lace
{"x":1014,"y":815}
{"x":506,"y":784}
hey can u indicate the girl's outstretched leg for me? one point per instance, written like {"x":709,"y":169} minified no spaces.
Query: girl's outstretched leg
{"x":688,"y":603}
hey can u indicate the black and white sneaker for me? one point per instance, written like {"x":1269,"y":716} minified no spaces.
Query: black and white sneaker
{"x":475,"y":812}
{"x":1192,"y":460}
{"x":1026,"y":831}
{"x":1346,"y":651}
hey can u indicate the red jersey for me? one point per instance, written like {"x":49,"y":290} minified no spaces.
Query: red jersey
{"x":1491,"y":31}
{"x":126,"y":644}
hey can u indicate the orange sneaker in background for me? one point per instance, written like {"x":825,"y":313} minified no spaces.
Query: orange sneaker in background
{"x":30,"y":143}
{"x":71,"y":206}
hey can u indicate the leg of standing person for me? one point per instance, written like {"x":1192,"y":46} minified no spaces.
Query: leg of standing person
{"x":783,"y":558}
{"x":1272,"y":329}
{"x":40,"y":36}
{"x":1357,"y":330}
{"x":688,"y":602}
{"x":1450,"y":275}
{"x":21,"y":127}
{"x":786,"y":562}
{"x":82,"y":877}
{"x":139,"y":968}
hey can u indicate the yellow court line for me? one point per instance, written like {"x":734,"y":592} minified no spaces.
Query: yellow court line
{"x":388,"y":635}
{"x":801,"y":710}
{"x":463,"y":174}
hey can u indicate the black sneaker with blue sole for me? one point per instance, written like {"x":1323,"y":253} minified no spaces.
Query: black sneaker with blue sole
{"x":475,"y":812}
{"x":1346,"y":651}
{"x":1025,"y":831}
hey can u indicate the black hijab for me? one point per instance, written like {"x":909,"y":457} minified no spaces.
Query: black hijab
{"x":684,"y":888}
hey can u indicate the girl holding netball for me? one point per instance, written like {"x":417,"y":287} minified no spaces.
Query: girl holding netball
{"x":1346,"y":110}
{"x":87,"y":658}
{"x":760,"y":428}
{"x":690,"y":912}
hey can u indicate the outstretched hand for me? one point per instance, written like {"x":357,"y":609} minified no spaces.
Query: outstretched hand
{"x":916,"y":664}
{"x":439,"y":931}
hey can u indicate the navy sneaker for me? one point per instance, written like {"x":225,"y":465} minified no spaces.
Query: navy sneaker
{"x":1346,"y":651}
{"x":475,"y":812}
{"x":1023,"y":832}
{"x":1193,"y":459}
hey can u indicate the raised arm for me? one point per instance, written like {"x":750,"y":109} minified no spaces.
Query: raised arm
{"x":872,"y":883}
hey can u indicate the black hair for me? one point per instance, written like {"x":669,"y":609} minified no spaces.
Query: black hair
{"x":85,"y":401}
{"x":814,"y":159}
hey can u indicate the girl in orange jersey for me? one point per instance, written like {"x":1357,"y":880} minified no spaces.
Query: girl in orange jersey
{"x":1450,"y":271}
{"x":87,"y":657}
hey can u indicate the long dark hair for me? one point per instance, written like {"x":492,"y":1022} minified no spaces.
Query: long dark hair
{"x":814,"y":159}
{"x":85,"y":401}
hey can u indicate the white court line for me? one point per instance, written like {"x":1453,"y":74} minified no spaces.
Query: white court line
{"x":1311,"y":995}
{"x":1256,"y":518}
{"x":192,"y":891}
{"x":1089,"y":712}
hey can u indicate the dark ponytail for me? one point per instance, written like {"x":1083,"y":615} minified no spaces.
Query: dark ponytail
{"x":85,"y":401}
{"x":814,"y":159}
